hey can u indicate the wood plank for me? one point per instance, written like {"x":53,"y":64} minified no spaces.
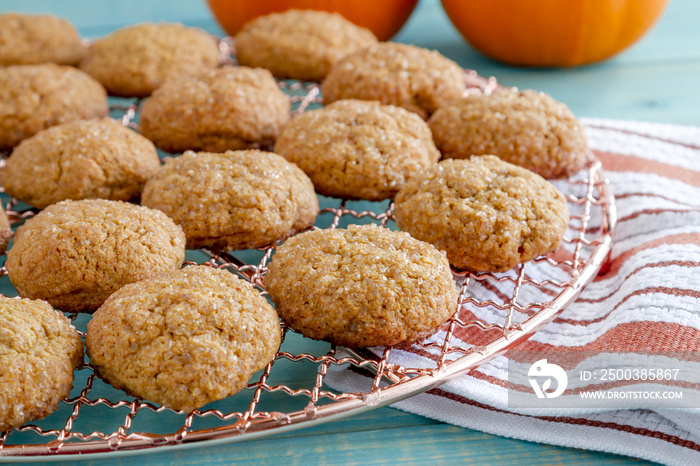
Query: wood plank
{"x":656,"y":80}
{"x":84,"y":13}
{"x":408,"y":444}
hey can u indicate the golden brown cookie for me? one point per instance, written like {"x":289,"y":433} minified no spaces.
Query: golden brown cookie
{"x":5,"y":231}
{"x":358,"y":149}
{"x":486,"y":214}
{"x":33,"y":39}
{"x":183,"y":339}
{"x":136,"y":60}
{"x":226,"y":109}
{"x":299,"y":44}
{"x":417,"y":79}
{"x":526,"y":128}
{"x":234,"y":200}
{"x":85,"y":159}
{"x":361,"y":286}
{"x":75,"y":254}
{"x":39,"y":350}
{"x":35,"y":97}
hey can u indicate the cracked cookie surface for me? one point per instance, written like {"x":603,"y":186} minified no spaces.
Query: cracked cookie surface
{"x":358,"y":149}
{"x":417,"y":79}
{"x":233,"y":200}
{"x":185,"y":338}
{"x":486,"y":214}
{"x":299,"y":44}
{"x":32,"y":39}
{"x":39,"y":350}
{"x":230,"y":108}
{"x":86,"y":159}
{"x":5,"y":231}
{"x":527,"y":128}
{"x":74,"y":254}
{"x":36,"y":97}
{"x":361,"y":286}
{"x":136,"y":60}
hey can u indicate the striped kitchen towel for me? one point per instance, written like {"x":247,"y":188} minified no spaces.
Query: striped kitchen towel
{"x":647,"y":303}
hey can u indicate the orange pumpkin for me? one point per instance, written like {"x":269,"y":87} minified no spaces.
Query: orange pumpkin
{"x":383,"y":17}
{"x":552,"y":32}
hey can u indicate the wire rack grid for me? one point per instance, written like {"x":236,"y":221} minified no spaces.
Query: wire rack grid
{"x":496,"y":313}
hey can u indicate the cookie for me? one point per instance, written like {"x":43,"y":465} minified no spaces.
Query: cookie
{"x":358,"y":149}
{"x":183,"y":339}
{"x":233,"y":200}
{"x":229,"y":108}
{"x":361,"y":286}
{"x":5,"y":231}
{"x":85,"y":159}
{"x":417,"y":79}
{"x":299,"y":44}
{"x":33,"y":39}
{"x":527,"y":128}
{"x":36,"y":97}
{"x":135,"y":60}
{"x":486,"y":214}
{"x":39,"y":350}
{"x":74,"y":254}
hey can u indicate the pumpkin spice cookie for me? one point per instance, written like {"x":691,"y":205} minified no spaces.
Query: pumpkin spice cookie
{"x":33,"y":39}
{"x":35,"y":97}
{"x":526,"y":128}
{"x":183,"y":339}
{"x":358,"y":149}
{"x":299,"y":44}
{"x":417,"y":79}
{"x":486,"y":214}
{"x":233,"y":200}
{"x":74,"y":254}
{"x":97,"y":158}
{"x":361,"y":286}
{"x":39,"y":350}
{"x":136,"y":60}
{"x":5,"y":231}
{"x":229,"y":108}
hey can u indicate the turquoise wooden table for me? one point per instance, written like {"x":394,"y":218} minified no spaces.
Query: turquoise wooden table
{"x":657,"y":80}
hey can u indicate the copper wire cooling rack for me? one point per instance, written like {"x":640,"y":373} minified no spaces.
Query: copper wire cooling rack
{"x":497,"y":312}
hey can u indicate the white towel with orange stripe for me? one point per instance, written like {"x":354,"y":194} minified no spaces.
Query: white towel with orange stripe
{"x":647,"y":304}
